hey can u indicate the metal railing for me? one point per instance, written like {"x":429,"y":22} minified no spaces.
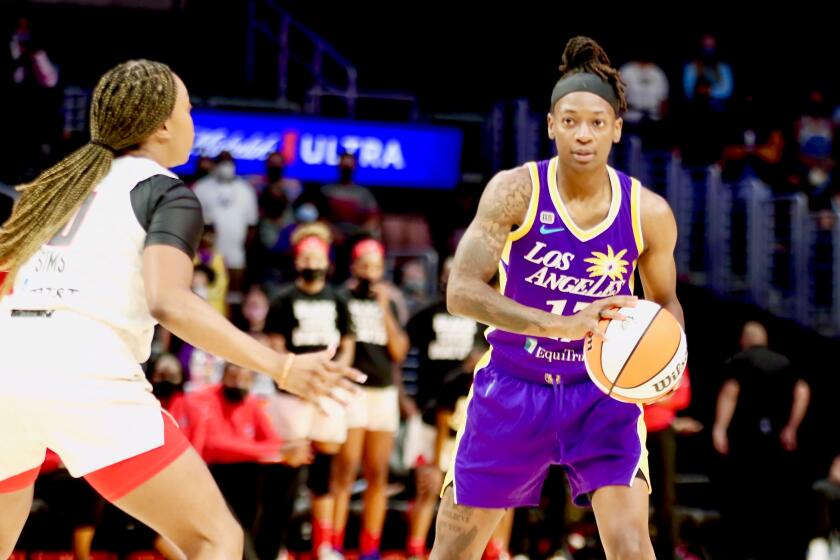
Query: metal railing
{"x":745,"y":243}
{"x":291,"y":37}
{"x":327,"y":72}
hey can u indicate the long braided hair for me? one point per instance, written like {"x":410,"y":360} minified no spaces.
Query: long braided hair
{"x":130,"y":102}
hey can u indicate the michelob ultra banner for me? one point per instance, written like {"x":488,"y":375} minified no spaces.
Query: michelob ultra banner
{"x":391,"y":155}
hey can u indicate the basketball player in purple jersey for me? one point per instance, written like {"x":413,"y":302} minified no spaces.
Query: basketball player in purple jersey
{"x":566,"y":235}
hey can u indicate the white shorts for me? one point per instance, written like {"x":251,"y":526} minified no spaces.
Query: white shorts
{"x":376,"y":409}
{"x":70,"y":384}
{"x":419,"y":445}
{"x":296,"y":419}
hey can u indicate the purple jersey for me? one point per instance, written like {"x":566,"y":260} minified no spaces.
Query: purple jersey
{"x":551,"y":264}
{"x":531,"y":396}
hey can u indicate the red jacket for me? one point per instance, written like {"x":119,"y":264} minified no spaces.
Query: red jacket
{"x":233,"y":433}
{"x":660,"y":415}
{"x":187,"y":410}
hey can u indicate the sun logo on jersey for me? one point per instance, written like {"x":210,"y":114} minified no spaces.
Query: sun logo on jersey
{"x":609,"y":265}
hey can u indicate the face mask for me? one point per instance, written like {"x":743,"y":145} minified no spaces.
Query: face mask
{"x":313,"y":274}
{"x":363,"y":289}
{"x":234,"y":394}
{"x":225,"y":171}
{"x":164,"y":389}
{"x":201,"y":291}
{"x":306,"y":213}
{"x":414,"y":286}
{"x":345,"y":174}
{"x":274,"y":174}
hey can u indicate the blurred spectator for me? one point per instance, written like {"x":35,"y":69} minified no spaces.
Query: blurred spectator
{"x":717,"y":73}
{"x":167,"y":382}
{"x":351,"y":207}
{"x":276,"y":180}
{"x":201,"y":368}
{"x":814,"y":144}
{"x":269,"y":251}
{"x":239,"y":429}
{"x":31,"y":105}
{"x":698,"y":127}
{"x":444,"y":344}
{"x":759,"y":410}
{"x":203,"y":167}
{"x":828,"y":514}
{"x":254,"y":312}
{"x":373,"y":417}
{"x":646,"y":87}
{"x":239,"y":437}
{"x":208,"y":256}
{"x":662,"y":426}
{"x":31,"y":63}
{"x":755,"y":145}
{"x":414,"y":285}
{"x":230,"y":204}
{"x":310,"y":316}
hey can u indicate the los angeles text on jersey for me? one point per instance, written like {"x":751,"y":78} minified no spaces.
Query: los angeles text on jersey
{"x":551,"y":261}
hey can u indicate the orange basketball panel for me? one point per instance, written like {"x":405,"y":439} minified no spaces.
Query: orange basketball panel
{"x":654,"y":351}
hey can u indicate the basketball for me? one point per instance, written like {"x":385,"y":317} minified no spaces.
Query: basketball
{"x":643,"y":357}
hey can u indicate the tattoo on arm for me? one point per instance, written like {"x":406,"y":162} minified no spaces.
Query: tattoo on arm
{"x":503,"y":206}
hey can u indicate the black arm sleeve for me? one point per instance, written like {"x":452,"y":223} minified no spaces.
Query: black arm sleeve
{"x":169,"y":212}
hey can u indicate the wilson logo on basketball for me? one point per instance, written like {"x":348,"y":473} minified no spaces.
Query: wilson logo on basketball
{"x":642,"y":359}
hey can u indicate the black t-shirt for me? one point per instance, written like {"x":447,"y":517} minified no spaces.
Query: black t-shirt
{"x":308,"y":322}
{"x":367,"y":323}
{"x":766,"y":381}
{"x":443,"y":342}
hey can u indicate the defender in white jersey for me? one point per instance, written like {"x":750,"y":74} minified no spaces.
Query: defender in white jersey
{"x":99,"y":249}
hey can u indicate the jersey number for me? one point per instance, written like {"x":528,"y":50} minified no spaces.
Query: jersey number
{"x":558,"y":305}
{"x":68,"y":232}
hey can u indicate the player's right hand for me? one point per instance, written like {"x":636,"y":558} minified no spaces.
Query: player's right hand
{"x":588,"y":319}
{"x":315,"y":375}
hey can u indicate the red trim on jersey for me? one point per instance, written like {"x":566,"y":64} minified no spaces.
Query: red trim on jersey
{"x":3,"y":274}
{"x":115,"y":481}
{"x":19,"y":481}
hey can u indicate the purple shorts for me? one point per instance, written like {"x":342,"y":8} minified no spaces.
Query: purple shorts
{"x":515,"y":429}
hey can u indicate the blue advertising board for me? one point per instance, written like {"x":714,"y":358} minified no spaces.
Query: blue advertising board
{"x":387,"y":154}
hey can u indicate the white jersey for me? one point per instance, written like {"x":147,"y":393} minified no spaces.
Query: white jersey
{"x":93,"y":266}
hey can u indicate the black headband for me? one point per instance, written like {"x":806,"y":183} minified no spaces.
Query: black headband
{"x":584,"y":81}
{"x":102,"y":144}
